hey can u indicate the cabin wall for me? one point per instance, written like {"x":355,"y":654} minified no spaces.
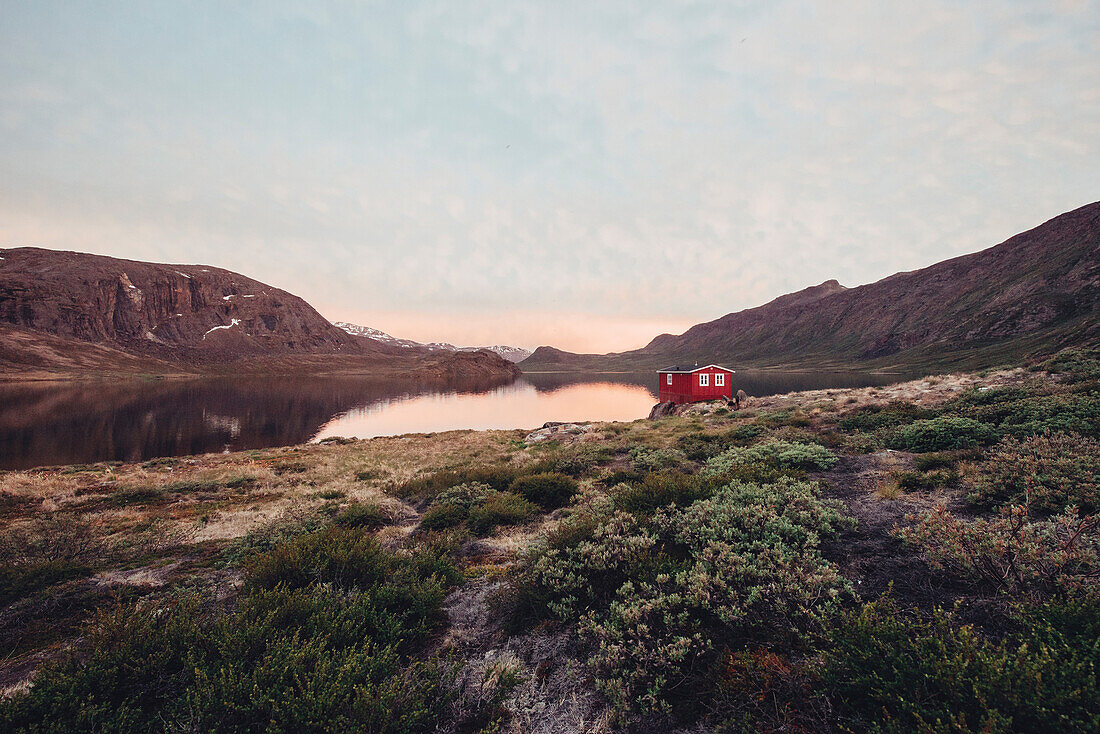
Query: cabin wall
{"x":710,"y":392}
{"x":685,"y":388}
{"x":678,"y":392}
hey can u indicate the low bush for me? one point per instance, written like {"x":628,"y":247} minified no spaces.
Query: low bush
{"x":622,"y":476}
{"x":549,"y":490}
{"x":363,"y":515}
{"x":128,"y":496}
{"x":1011,"y":550}
{"x":916,"y":480}
{"x":442,"y":517}
{"x":263,"y":539}
{"x":576,"y":460}
{"x":1050,"y":473}
{"x":497,"y":477}
{"x":661,"y":489}
{"x":786,"y":417}
{"x":502,"y":508}
{"x":20,"y":581}
{"x":341,"y":556}
{"x":1018,"y":412}
{"x":944,"y":433}
{"x":703,"y":446}
{"x":480,"y":507}
{"x":1077,"y":365}
{"x":777,"y":453}
{"x":291,"y":656}
{"x":653,"y":596}
{"x":875,"y":417}
{"x":890,"y":671}
{"x":943,"y":459}
{"x":645,"y":459}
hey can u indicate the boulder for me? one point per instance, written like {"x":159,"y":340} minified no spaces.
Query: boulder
{"x":662,"y":409}
{"x":554,"y":429}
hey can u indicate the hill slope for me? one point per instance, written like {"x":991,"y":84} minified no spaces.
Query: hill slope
{"x":1037,"y":290}
{"x":177,"y":318}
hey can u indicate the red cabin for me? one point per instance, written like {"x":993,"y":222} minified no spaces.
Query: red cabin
{"x":692,"y":384}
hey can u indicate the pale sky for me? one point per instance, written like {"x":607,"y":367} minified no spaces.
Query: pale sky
{"x":585,"y":175}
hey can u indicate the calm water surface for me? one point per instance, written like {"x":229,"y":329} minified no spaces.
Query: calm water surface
{"x":68,"y":423}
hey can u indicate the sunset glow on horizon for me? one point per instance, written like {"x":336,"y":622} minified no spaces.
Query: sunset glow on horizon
{"x":581,"y":175}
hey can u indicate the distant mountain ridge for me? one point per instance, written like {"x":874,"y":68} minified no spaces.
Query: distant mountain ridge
{"x":181,"y":317}
{"x":512,"y":354}
{"x":1037,"y":290}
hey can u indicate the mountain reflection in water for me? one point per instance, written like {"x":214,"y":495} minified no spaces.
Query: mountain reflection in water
{"x":45,"y":424}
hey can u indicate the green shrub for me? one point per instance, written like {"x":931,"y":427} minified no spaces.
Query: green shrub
{"x":1011,"y":550}
{"x":703,"y":446}
{"x":778,"y":453}
{"x":19,"y":581}
{"x":942,"y":434}
{"x":497,"y":477}
{"x":622,"y":476}
{"x":548,"y":491}
{"x":127,"y":496}
{"x":363,"y":515}
{"x":502,"y":508}
{"x":785,"y":417}
{"x":889,"y":671}
{"x":941,"y":460}
{"x":576,"y":460}
{"x":655,"y":596}
{"x":1077,"y":364}
{"x":479,"y":506}
{"x":289,"y":658}
{"x":645,"y":459}
{"x":915,"y":480}
{"x":1051,"y":473}
{"x":875,"y":417}
{"x":442,"y":517}
{"x":346,"y":557}
{"x":661,"y":489}
{"x":265,"y":538}
{"x":1021,"y":413}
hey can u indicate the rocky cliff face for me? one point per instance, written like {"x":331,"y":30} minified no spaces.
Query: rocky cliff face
{"x":1037,"y":290}
{"x":186,"y":312}
{"x":196,"y":316}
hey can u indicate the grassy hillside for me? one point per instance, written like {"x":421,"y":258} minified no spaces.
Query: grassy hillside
{"x":922,"y":556}
{"x":1037,"y":291}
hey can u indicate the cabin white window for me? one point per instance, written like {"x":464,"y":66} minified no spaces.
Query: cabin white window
{"x":668,"y":379}
{"x":719,"y":379}
{"x":704,"y":380}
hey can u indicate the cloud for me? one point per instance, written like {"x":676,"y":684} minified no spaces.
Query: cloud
{"x":572,"y":163}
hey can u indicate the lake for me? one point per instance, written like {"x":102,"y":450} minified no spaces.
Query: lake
{"x":46,"y":423}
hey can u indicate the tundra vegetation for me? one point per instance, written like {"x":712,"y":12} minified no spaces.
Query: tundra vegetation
{"x":919,"y":557}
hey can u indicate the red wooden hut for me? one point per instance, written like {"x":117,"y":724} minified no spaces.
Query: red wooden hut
{"x":692,"y":384}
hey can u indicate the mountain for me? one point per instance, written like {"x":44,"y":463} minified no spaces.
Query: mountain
{"x":1039,"y":290}
{"x":71,"y":311}
{"x":512,"y":354}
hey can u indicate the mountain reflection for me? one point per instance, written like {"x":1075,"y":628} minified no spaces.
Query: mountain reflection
{"x":63,"y":423}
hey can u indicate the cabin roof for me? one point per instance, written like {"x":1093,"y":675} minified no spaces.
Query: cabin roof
{"x":687,"y":369}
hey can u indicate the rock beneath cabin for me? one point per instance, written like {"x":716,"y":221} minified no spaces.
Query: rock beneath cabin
{"x":660,"y":410}
{"x":554,"y":429}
